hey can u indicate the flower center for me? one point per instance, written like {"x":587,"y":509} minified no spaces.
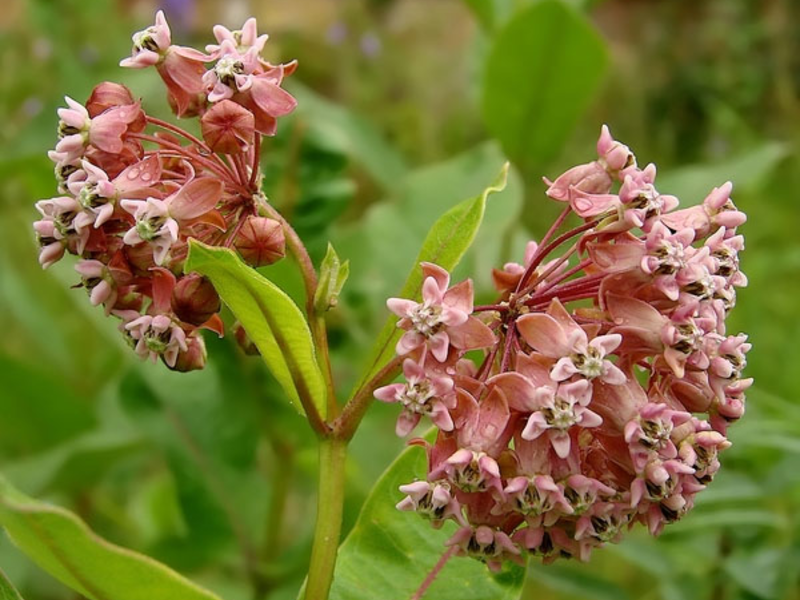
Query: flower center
{"x":426,"y":319}
{"x":561,"y":415}
{"x":589,"y":364}
{"x":227,"y":68}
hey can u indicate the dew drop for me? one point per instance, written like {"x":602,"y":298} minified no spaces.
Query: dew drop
{"x":133,"y":174}
{"x":146,"y":177}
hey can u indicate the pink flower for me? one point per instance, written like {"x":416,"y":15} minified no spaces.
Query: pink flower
{"x":488,"y":545}
{"x":421,"y":395}
{"x":157,"y":337}
{"x":442,"y":318}
{"x":180,"y":68}
{"x":158,"y":221}
{"x":556,"y":335}
{"x":558,"y":411}
{"x":432,"y":501}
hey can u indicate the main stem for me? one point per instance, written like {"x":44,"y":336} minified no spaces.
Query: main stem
{"x":330,"y":504}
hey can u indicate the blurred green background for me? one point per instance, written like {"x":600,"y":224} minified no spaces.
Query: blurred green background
{"x":406,"y":106}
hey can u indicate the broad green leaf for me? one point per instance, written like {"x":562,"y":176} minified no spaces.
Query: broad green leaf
{"x":61,"y":544}
{"x":542,"y":72}
{"x":389,"y":553}
{"x":693,"y":183}
{"x":7,"y":590}
{"x":271,"y":318}
{"x":445,"y":244}
{"x":574,"y":581}
{"x":350,"y":134}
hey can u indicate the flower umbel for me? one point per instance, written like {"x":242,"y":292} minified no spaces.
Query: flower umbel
{"x":607,"y":380}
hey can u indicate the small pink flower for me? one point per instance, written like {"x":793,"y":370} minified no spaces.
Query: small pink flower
{"x":487,"y":544}
{"x":558,"y":411}
{"x":157,"y":337}
{"x":432,"y":501}
{"x":556,"y":335}
{"x":420,"y":395}
{"x":442,"y":318}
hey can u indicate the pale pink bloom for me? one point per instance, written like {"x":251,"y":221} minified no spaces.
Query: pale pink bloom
{"x":51,"y":247}
{"x":537,"y":496}
{"x":95,"y":279}
{"x":442,"y":318}
{"x":420,"y":395}
{"x":157,"y":337}
{"x":725,"y":256}
{"x":558,"y":411}
{"x":153,"y":225}
{"x":717,"y":210}
{"x":650,"y":434}
{"x":194,"y":357}
{"x":485,"y":543}
{"x":98,"y":195}
{"x":556,"y":335}
{"x":180,"y":68}
{"x":61,"y":212}
{"x":595,"y":177}
{"x":547,"y":542}
{"x":658,"y":480}
{"x":241,"y":40}
{"x":470,"y":471}
{"x":158,"y":221}
{"x":583,"y":492}
{"x":432,"y":501}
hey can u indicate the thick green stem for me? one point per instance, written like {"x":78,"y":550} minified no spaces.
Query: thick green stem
{"x":330,"y":503}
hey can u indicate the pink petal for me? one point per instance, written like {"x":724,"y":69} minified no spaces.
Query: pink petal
{"x":471,"y":335}
{"x":195,"y":198}
{"x":543,"y":333}
{"x":273,"y":100}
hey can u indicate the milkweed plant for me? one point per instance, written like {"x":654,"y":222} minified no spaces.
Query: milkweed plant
{"x":591,"y":397}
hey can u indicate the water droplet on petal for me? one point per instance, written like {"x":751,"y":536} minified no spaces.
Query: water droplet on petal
{"x":146,"y":177}
{"x":133,"y":174}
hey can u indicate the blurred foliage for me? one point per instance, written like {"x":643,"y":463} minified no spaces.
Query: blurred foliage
{"x":213,"y":472}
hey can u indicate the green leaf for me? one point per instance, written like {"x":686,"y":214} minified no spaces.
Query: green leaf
{"x":61,"y":544}
{"x":333,"y":274}
{"x":271,"y":318}
{"x":389,"y":553}
{"x":445,"y":244}
{"x":693,"y":183}
{"x":543,"y":70}
{"x":350,"y":134}
{"x":7,"y":590}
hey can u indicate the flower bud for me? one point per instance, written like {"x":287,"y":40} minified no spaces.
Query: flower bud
{"x":260,"y":241}
{"x":228,"y":127}
{"x":106,"y":95}
{"x":194,"y":357}
{"x":194,"y":300}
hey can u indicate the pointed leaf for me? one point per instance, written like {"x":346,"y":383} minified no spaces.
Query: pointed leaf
{"x":542,"y":73}
{"x":389,"y":553}
{"x":445,"y":245}
{"x":333,"y":274}
{"x":61,"y":544}
{"x":271,"y":319}
{"x":7,"y":590}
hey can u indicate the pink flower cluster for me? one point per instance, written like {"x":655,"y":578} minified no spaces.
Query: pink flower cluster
{"x":608,"y":379}
{"x":133,"y":189}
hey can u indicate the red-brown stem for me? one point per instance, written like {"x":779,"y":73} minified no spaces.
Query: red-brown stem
{"x":486,"y":366}
{"x":553,"y":228}
{"x":549,"y":271}
{"x":210,"y":165}
{"x":511,"y":333}
{"x":540,"y":256}
{"x":569,"y":296}
{"x":256,"y":160}
{"x":565,"y":275}
{"x":241,"y":170}
{"x":185,"y":134}
{"x":489,"y":307}
{"x":434,"y":573}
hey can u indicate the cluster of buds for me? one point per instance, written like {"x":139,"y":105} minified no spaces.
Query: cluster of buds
{"x":133,"y":188}
{"x":607,"y":382}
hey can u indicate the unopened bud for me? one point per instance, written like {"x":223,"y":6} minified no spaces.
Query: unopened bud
{"x":194,"y":300}
{"x":260,"y":241}
{"x":194,"y":357}
{"x":228,"y":127}
{"x":107,"y":95}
